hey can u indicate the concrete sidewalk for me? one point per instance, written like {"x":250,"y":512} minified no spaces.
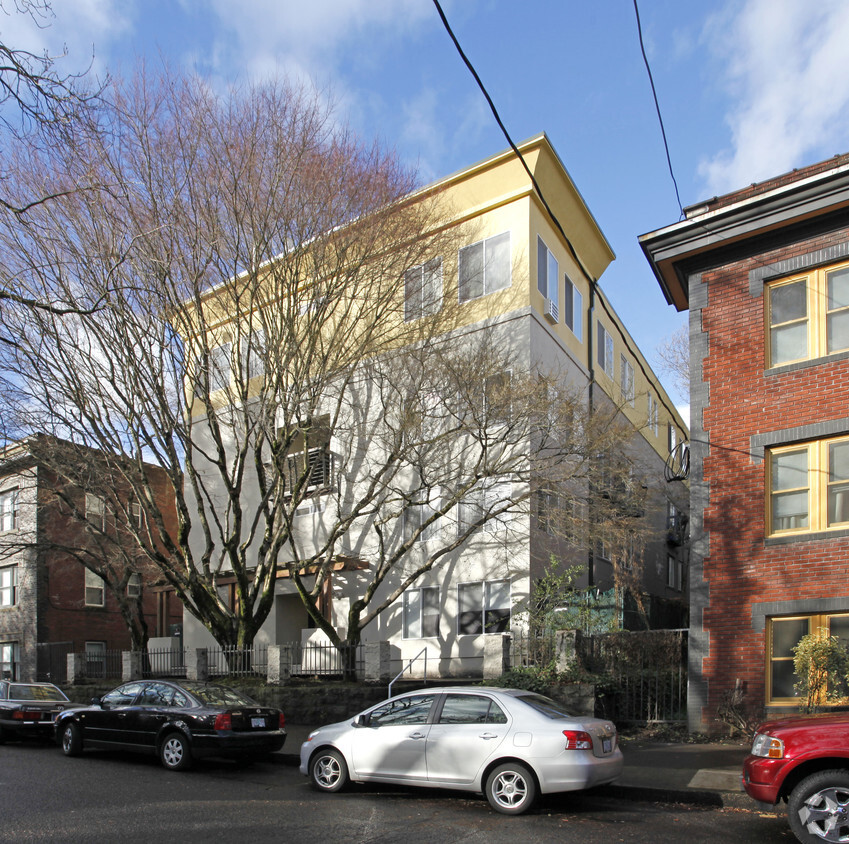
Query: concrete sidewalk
{"x":701,"y":774}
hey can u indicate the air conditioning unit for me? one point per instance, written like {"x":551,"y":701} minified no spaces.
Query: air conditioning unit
{"x":551,"y":313}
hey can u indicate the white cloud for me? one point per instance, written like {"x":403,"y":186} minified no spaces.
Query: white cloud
{"x":786,"y":66}
{"x":310,"y":37}
{"x":78,"y":27}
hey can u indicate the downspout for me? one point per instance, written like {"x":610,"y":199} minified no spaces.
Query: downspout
{"x":590,"y":406}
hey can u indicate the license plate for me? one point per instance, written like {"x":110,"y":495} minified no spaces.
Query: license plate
{"x":606,"y":745}
{"x":258,"y":723}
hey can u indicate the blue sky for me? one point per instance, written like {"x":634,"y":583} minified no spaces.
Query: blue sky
{"x":748,"y":89}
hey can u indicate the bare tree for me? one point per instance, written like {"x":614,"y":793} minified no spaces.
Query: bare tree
{"x":251,"y":258}
{"x":674,"y":354}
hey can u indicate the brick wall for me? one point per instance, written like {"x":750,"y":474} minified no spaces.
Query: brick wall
{"x":739,"y":406}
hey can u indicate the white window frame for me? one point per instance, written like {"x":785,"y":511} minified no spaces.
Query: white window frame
{"x":253,"y":365}
{"x":423,"y":290}
{"x":489,"y":599}
{"x":9,"y":510}
{"x":653,"y":415}
{"x":573,"y":308}
{"x":604,"y":353}
{"x":626,"y":380}
{"x":94,"y":584}
{"x":220,"y":366}
{"x":548,"y":275}
{"x":421,"y":613}
{"x":95,"y":510}
{"x":134,"y":586}
{"x":674,"y":573}
{"x":10,"y":660}
{"x":491,"y":279}
{"x":418,"y":512}
{"x":8,"y":586}
{"x":483,"y":499}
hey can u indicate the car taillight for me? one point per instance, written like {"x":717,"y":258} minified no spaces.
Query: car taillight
{"x":23,"y":715}
{"x":223,"y":721}
{"x":282,"y":721}
{"x":767,"y":747}
{"x":578,"y":740}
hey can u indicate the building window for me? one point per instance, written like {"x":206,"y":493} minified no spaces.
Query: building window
{"x":548,"y":509}
{"x":671,"y":437}
{"x":220,"y":358}
{"x":134,"y":586}
{"x":548,"y":274}
{"x":484,"y":607}
{"x":252,"y":355}
{"x":421,"y":613}
{"x":8,"y":510}
{"x":808,"y":316}
{"x":652,"y":415}
{"x":417,"y":513}
{"x":484,"y":267}
{"x":95,"y":508}
{"x":94,"y":589}
{"x":604,"y":353}
{"x":626,"y":379}
{"x":573,"y":308}
{"x":8,"y":586}
{"x":311,"y":470}
{"x":484,"y":502}
{"x":808,"y":487}
{"x":423,"y":290}
{"x":9,"y":660}
{"x":674,"y":573}
{"x":783,"y":634}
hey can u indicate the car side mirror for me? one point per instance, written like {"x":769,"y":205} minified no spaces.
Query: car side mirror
{"x":96,"y":701}
{"x":362,"y":721}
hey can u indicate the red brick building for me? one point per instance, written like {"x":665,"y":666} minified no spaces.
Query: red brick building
{"x":50,"y":603}
{"x":764,"y":273}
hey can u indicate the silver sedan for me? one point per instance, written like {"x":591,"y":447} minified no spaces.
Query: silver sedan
{"x":509,"y":744}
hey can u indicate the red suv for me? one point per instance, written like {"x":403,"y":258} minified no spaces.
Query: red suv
{"x":805,"y":762}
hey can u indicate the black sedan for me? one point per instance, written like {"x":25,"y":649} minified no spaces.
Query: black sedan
{"x":178,"y":721}
{"x":28,"y":709}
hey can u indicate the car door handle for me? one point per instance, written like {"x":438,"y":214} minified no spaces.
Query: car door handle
{"x":488,"y":736}
{"x":417,"y":736}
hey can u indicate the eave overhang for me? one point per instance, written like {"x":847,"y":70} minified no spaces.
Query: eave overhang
{"x":676,"y":251}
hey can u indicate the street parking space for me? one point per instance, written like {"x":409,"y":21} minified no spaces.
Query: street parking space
{"x":107,"y":796}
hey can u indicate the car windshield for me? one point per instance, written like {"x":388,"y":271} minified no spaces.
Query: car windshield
{"x":218,"y":695}
{"x":22,"y":691}
{"x":548,"y":707}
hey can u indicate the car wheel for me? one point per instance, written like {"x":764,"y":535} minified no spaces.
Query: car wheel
{"x":72,"y":740}
{"x":511,"y":789}
{"x":175,"y":753}
{"x":818,"y":808}
{"x":328,"y":770}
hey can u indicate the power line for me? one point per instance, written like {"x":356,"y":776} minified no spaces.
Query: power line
{"x":589,"y":277}
{"x":657,"y":108}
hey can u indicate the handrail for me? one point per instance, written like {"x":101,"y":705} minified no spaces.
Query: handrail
{"x":408,"y":666}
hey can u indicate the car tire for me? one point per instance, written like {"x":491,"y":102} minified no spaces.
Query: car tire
{"x":71,"y":740}
{"x":328,"y":770}
{"x":511,"y":789}
{"x":818,"y":807}
{"x":175,"y":753}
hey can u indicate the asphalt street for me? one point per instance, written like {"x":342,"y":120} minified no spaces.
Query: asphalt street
{"x":106,"y":797}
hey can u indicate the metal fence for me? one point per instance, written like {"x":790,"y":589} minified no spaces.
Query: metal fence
{"x":323,"y":659}
{"x":163,"y":662}
{"x":644,"y":674}
{"x":237,"y":662}
{"x":103,"y":665}
{"x":52,"y":661}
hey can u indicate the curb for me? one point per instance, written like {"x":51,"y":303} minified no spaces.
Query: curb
{"x":637,"y":793}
